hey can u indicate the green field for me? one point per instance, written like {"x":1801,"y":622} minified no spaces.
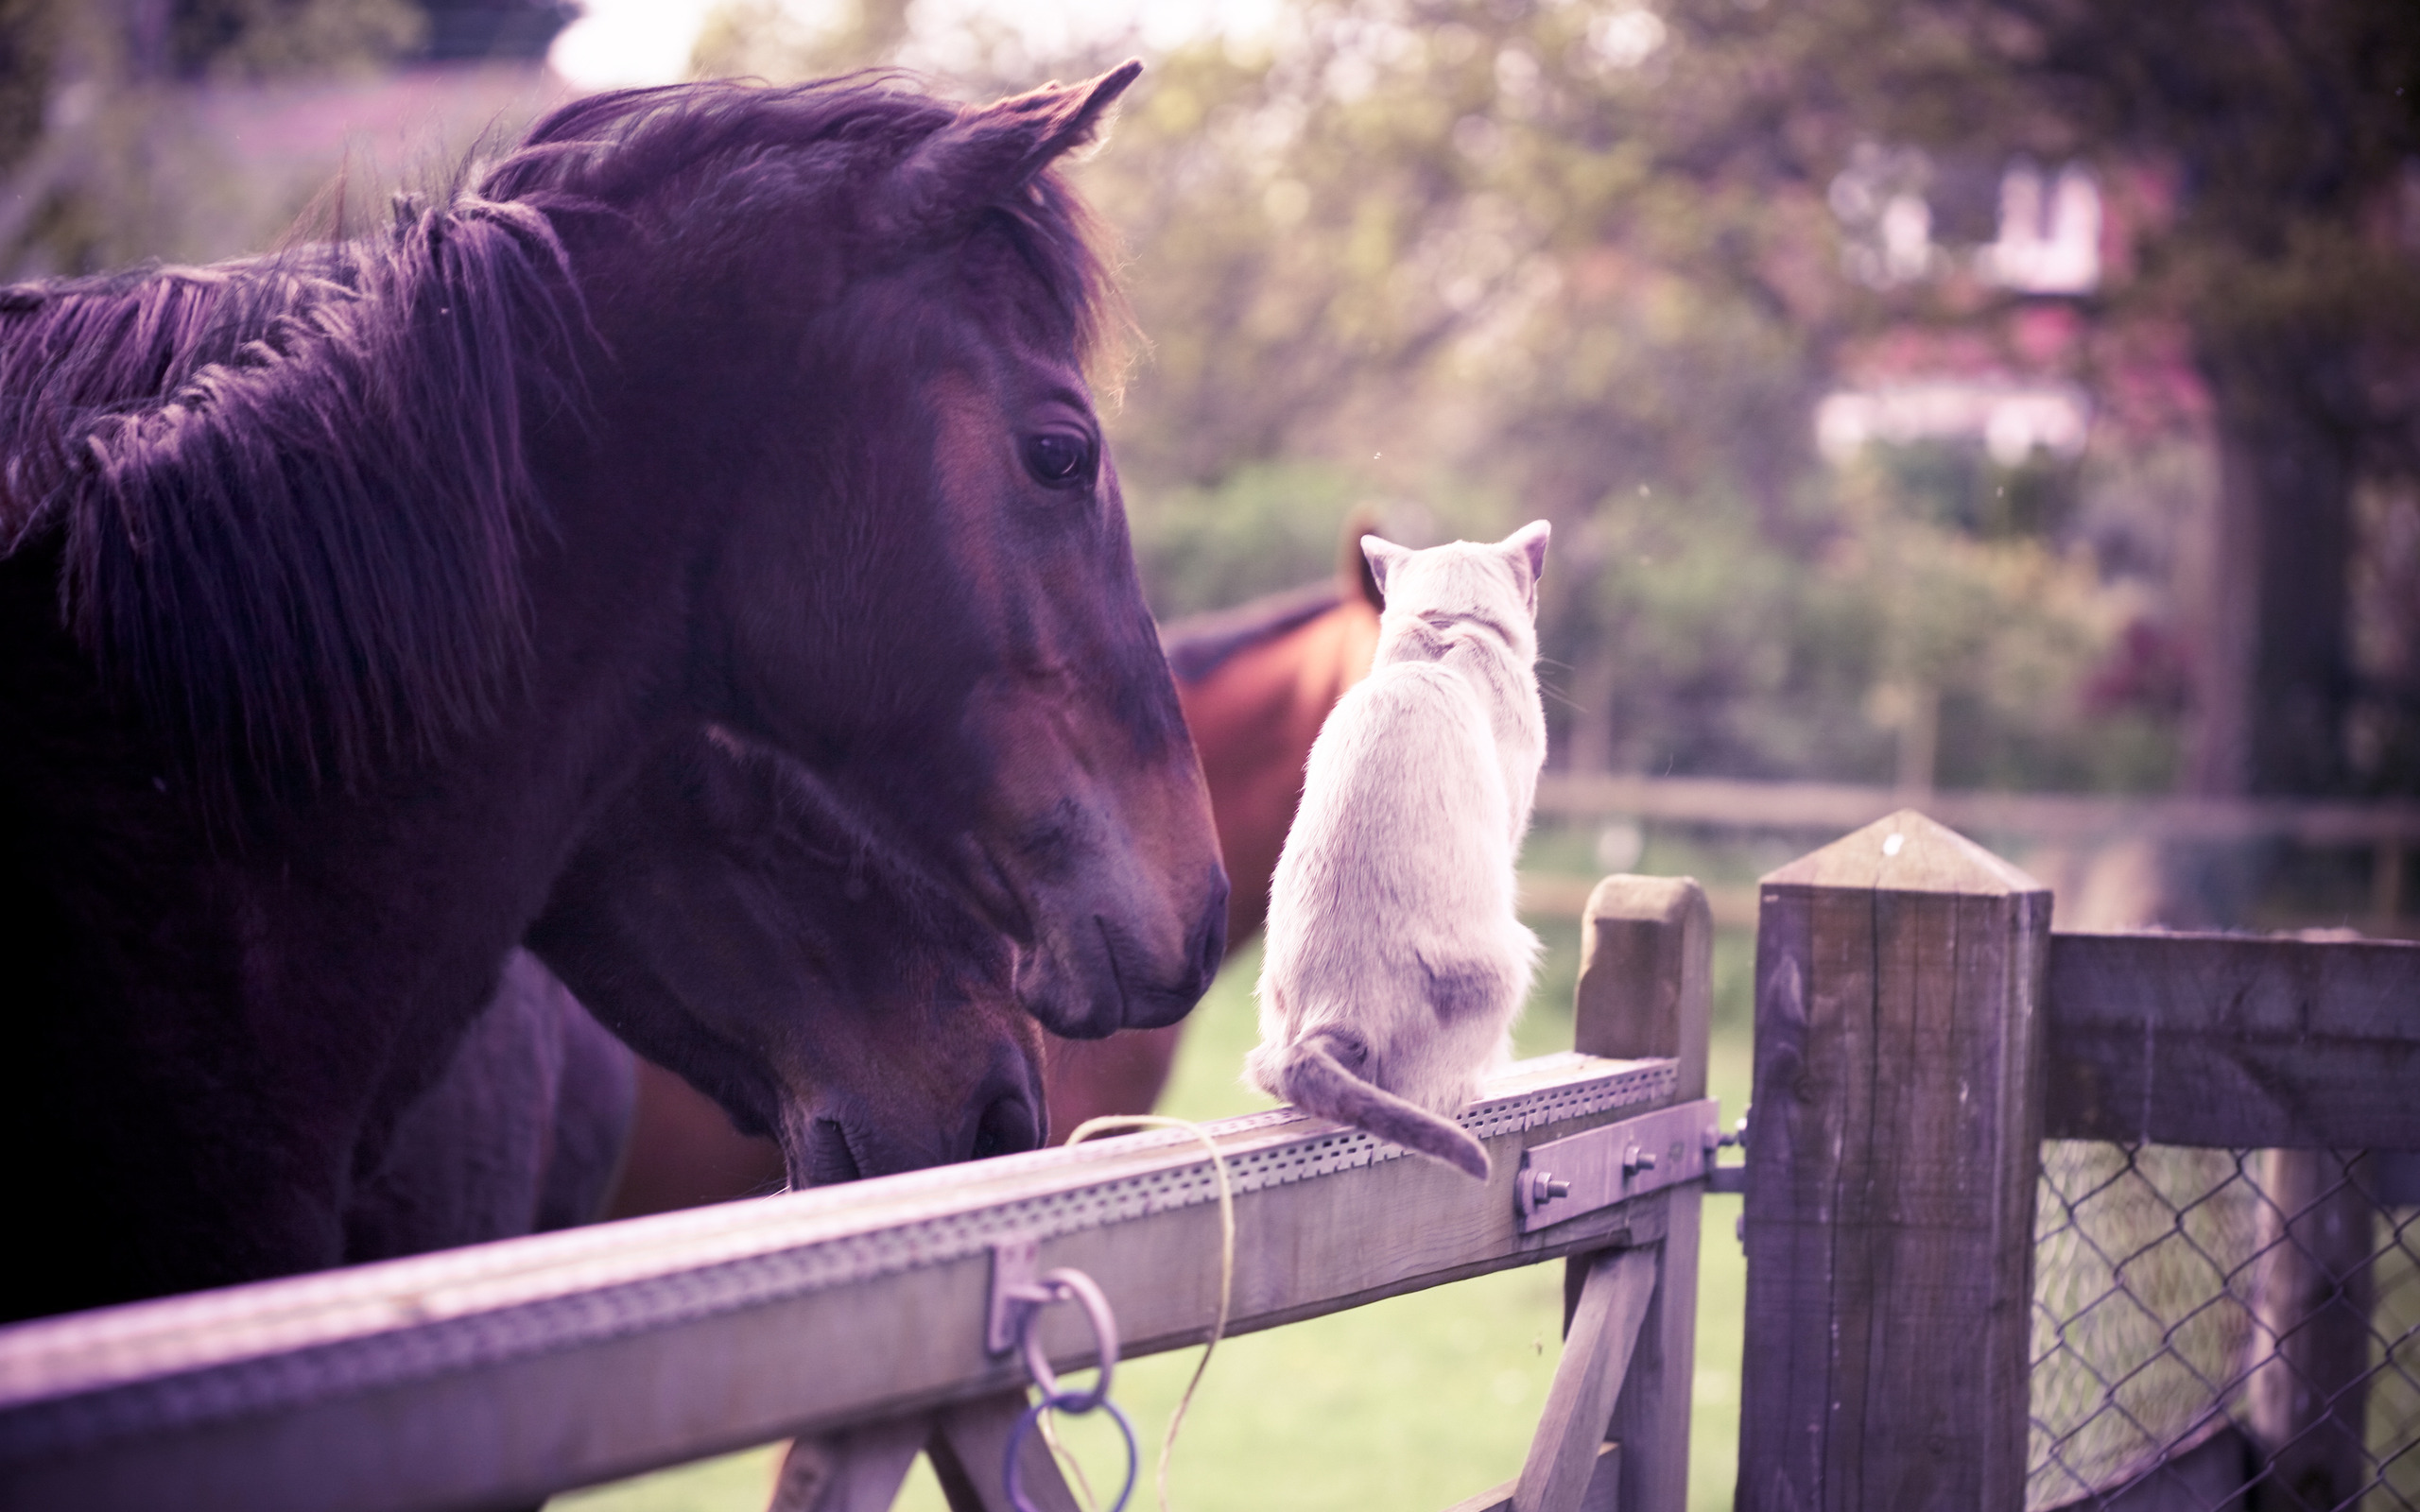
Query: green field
{"x":1416,"y":1401}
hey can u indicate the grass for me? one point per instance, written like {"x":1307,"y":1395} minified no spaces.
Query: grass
{"x":1416,"y":1401}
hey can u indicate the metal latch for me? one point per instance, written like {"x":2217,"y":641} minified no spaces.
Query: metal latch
{"x":1013,"y":1290}
{"x":1564,"y":1178}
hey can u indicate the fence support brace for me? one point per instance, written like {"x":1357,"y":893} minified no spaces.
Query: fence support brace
{"x":1615,"y":1428}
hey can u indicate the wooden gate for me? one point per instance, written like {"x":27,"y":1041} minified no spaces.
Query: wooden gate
{"x":855,"y":1316}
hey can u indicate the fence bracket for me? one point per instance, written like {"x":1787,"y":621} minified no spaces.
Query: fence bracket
{"x":1014,"y":1287}
{"x":1564,"y":1178}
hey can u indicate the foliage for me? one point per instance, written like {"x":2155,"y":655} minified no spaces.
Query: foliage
{"x":1499,"y":261}
{"x":1564,"y":261}
{"x":271,"y":37}
{"x":134,"y":130}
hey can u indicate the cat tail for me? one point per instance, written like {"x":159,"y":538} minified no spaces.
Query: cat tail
{"x":1315,"y":1082}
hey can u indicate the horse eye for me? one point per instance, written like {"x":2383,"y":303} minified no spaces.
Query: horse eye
{"x":1059,"y":459}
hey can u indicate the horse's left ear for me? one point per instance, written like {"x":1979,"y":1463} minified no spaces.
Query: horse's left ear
{"x":992,"y":152}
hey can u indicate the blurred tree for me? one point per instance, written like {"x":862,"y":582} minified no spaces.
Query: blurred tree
{"x":95,"y":97}
{"x":2289,"y":133}
{"x":1569,"y":259}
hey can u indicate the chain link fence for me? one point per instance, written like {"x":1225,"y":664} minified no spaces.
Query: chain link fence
{"x":2225,"y":1328}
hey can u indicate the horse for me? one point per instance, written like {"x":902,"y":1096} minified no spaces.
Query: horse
{"x":732,"y":918}
{"x":525,"y":1129}
{"x":343,"y":591}
{"x":1256,"y":682}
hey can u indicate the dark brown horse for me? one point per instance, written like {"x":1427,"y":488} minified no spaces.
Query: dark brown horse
{"x":1257,"y":681}
{"x":524,"y":1130}
{"x":732,"y":919}
{"x":341,"y":595}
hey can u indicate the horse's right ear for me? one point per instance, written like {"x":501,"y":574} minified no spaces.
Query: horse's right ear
{"x":991,"y":153}
{"x":1354,"y":576}
{"x":1382,"y":556}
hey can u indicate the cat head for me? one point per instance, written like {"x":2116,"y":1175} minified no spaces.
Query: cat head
{"x":1494,"y":586}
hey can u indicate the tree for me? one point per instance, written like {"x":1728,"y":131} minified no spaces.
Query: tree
{"x":1574,"y":255}
{"x":94,"y":98}
{"x":2289,"y":131}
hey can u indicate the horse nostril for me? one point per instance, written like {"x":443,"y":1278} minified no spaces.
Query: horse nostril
{"x":830,"y":1158}
{"x":1006,"y":1127}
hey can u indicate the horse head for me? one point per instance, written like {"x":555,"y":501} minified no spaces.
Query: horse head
{"x":732,"y":922}
{"x":923,"y":586}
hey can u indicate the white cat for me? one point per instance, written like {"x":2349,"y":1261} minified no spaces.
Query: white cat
{"x":1395,"y":962}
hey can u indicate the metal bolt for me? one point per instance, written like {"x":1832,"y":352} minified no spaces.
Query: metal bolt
{"x":1542,"y":1186}
{"x":1635,"y":1159}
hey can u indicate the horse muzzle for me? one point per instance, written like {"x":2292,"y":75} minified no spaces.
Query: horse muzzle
{"x":1094,"y":974}
{"x":833,"y":1140}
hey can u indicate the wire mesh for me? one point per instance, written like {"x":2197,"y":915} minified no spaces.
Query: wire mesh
{"x":2223,"y":1329}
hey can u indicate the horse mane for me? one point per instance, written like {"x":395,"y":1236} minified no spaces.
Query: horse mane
{"x":290,"y":493}
{"x":1199,"y":644}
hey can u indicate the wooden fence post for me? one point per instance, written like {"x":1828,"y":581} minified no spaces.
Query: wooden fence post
{"x":2309,"y":1399}
{"x":1646,"y":973}
{"x":1892,"y":1156}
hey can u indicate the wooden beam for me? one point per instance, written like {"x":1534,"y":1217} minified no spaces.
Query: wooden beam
{"x":970,"y":1446}
{"x":1745,"y":804}
{"x":1892,"y":1163}
{"x":2310,"y":1397}
{"x":857,"y":1471}
{"x":507,"y":1372}
{"x":1596,"y":1355}
{"x":1599,"y":1497}
{"x":1647,"y":988}
{"x":2231,"y":1041}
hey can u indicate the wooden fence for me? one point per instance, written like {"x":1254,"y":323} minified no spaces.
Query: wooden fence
{"x":855,"y":1316}
{"x":1920,"y":1030}
{"x":2389,"y":829}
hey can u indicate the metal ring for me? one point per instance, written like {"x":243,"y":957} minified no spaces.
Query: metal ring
{"x":1013,"y":1478}
{"x":1063,"y":1284}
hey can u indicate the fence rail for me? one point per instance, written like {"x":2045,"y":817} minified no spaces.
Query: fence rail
{"x":856,"y":1316}
{"x":2040,"y":815}
{"x":2229,"y":1041}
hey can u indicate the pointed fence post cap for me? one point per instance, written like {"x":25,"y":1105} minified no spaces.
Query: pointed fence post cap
{"x":1905,"y":852}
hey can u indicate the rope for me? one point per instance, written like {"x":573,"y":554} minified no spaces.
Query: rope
{"x":1119,"y":1122}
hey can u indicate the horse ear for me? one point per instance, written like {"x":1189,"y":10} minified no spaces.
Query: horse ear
{"x":1354,"y":573}
{"x":991,"y":153}
{"x":1382,"y":556}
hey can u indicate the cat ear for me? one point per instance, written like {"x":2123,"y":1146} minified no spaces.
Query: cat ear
{"x":1528,"y":545}
{"x":1382,"y":556}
